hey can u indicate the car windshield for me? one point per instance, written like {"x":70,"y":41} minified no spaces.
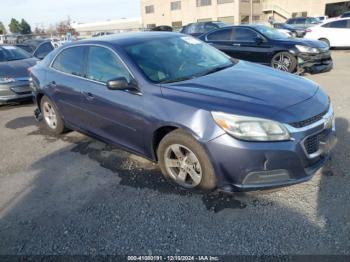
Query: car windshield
{"x":11,"y":53}
{"x":271,"y":33}
{"x":177,"y":59}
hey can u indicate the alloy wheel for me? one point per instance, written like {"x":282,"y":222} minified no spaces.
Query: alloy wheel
{"x":50,"y":115}
{"x":282,"y":62}
{"x":183,"y":166}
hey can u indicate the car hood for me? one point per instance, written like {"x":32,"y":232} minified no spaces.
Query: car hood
{"x":305,"y":42}
{"x":245,"y":88}
{"x":17,"y":68}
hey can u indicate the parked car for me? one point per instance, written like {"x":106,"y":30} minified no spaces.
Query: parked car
{"x":334,"y":33}
{"x":265,"y":45}
{"x":345,"y":15}
{"x":322,"y":18}
{"x":198,"y":29}
{"x":14,"y":75}
{"x":293,"y":31}
{"x":39,"y":48}
{"x":303,"y":22}
{"x":162,"y":28}
{"x":209,"y":121}
{"x":98,"y":34}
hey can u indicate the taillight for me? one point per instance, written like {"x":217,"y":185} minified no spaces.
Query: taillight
{"x":29,"y":69}
{"x":308,"y":30}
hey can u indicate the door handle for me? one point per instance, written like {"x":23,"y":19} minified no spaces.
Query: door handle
{"x":53,"y":84}
{"x":236,"y":44}
{"x":88,"y":96}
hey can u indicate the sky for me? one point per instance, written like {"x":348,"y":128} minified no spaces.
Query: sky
{"x":43,"y":13}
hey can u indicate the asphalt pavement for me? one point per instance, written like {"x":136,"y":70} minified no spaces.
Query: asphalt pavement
{"x":74,"y":195}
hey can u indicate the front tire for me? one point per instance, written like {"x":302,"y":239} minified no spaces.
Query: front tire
{"x":52,"y":118}
{"x":284,"y":61}
{"x":185,"y":162}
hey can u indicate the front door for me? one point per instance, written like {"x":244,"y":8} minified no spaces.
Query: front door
{"x":116,"y":115}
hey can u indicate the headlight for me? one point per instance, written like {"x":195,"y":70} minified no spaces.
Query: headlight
{"x":251,"y":128}
{"x":6,"y":80}
{"x":307,"y":49}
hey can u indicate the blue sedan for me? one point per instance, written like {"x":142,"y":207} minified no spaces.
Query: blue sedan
{"x":210,"y":121}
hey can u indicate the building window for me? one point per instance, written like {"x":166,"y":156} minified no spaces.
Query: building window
{"x":245,"y":1}
{"x":175,"y":5}
{"x":304,"y":14}
{"x":256,"y":1}
{"x":203,"y":3}
{"x":225,"y":1}
{"x":227,"y":19}
{"x":245,"y":19}
{"x":176,"y":24}
{"x":149,"y":9}
{"x":204,"y":20}
{"x":150,"y":26}
{"x":294,"y":15}
{"x":256,"y":18}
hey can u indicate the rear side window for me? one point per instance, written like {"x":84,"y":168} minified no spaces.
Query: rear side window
{"x":209,"y":27}
{"x":221,"y":35}
{"x":43,"y":50}
{"x":2,"y":56}
{"x":71,"y":61}
{"x":103,"y":65}
{"x":244,"y":35}
{"x":300,"y":21}
{"x":337,"y":24}
{"x":291,"y":21}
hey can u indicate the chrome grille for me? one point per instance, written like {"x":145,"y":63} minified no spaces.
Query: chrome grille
{"x":309,"y":121}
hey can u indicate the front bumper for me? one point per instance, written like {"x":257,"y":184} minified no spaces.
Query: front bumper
{"x":15,"y":91}
{"x":245,"y":166}
{"x":315,"y":63}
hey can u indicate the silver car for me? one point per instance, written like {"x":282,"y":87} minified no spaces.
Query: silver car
{"x":14,"y":74}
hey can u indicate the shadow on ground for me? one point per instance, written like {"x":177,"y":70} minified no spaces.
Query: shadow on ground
{"x":76,"y":207}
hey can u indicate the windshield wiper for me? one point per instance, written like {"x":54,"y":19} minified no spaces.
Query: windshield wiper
{"x":176,"y":80}
{"x":215,"y":69}
{"x":210,"y":71}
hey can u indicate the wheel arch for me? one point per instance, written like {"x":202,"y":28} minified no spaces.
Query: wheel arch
{"x":162,"y":131}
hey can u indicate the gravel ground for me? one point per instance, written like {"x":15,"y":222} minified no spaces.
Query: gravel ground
{"x":75,"y":195}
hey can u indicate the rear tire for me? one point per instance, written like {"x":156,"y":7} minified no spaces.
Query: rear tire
{"x":284,"y":61}
{"x":326,"y":41}
{"x":185,"y":162}
{"x":52,"y":118}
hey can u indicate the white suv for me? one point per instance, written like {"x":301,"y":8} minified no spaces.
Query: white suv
{"x":335,"y":33}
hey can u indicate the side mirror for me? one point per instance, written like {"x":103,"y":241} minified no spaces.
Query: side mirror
{"x":121,"y":84}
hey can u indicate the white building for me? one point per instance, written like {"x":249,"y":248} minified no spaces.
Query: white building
{"x":111,"y":26}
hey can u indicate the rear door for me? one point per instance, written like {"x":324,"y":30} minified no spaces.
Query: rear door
{"x":339,"y":32}
{"x":222,"y":40}
{"x":251,"y":45}
{"x":115,"y":115}
{"x":64,"y":83}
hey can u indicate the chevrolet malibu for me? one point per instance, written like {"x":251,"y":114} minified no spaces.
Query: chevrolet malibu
{"x":208,"y":120}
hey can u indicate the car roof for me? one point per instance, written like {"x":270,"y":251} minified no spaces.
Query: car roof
{"x":123,"y":39}
{"x":334,"y":20}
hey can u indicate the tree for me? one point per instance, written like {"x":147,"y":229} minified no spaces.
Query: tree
{"x":2,"y":29}
{"x":39,"y":31}
{"x":64,"y":27}
{"x":25,"y":27}
{"x":15,"y":26}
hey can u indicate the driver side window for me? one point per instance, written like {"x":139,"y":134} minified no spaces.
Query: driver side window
{"x":103,"y":65}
